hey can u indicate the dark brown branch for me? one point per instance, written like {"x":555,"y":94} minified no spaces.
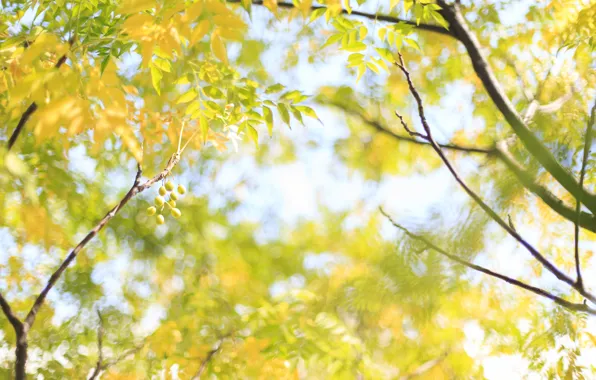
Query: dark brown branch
{"x":12,"y":318}
{"x":371,"y":16}
{"x":587,"y":146}
{"x":543,"y":293}
{"x":424,"y":367}
{"x":460,"y":30}
{"x":100,"y":332}
{"x":33,"y":106}
{"x":136,"y":188}
{"x":537,"y":255}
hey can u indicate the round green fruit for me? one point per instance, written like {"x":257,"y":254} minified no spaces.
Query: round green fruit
{"x":174,"y":196}
{"x":159,"y":201}
{"x":160,"y":219}
{"x":176,"y":213}
{"x":151,"y":210}
{"x":162,"y":191}
{"x":181,"y":189}
{"x":169,"y":185}
{"x":172,"y":203}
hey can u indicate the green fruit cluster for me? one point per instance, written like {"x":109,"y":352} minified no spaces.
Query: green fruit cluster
{"x":167,"y":190}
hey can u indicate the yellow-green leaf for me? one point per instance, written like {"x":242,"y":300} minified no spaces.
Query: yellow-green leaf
{"x":189,"y":95}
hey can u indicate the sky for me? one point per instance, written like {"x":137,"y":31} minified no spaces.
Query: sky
{"x":295,"y":190}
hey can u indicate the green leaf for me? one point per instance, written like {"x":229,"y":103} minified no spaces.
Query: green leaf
{"x":412,"y":43}
{"x":104,"y":64}
{"x":361,"y":71}
{"x":156,"y":76}
{"x":163,"y":64}
{"x":372,"y":67}
{"x":332,"y":40}
{"x":254,"y":135}
{"x":274,"y":88}
{"x":297,"y":114}
{"x":305,"y":110}
{"x":284,"y":113}
{"x":268,"y":115}
{"x":316,"y":14}
{"x":204,"y":125}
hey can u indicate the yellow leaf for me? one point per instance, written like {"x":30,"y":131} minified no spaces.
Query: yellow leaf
{"x":134,"y":6}
{"x":271,"y":5}
{"x":199,"y":32}
{"x":218,"y":47}
{"x":187,"y":96}
{"x":194,"y":11}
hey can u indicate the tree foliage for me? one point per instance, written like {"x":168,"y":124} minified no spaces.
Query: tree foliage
{"x":124,"y":256}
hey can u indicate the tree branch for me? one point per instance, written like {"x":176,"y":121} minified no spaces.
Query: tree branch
{"x":371,"y":16}
{"x":500,"y":151}
{"x":136,"y":188}
{"x":460,"y":30}
{"x":537,"y":255}
{"x":12,"y":318}
{"x":558,"y":300}
{"x":386,"y":131}
{"x":33,"y":106}
{"x":587,"y":146}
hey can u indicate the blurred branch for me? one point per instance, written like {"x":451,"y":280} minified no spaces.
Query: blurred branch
{"x":210,"y":356}
{"x":494,"y":216}
{"x":587,"y":146}
{"x":587,"y":220}
{"x":459,"y":28}
{"x":424,"y":367}
{"x":371,"y":16}
{"x":33,"y":106}
{"x":100,"y":331}
{"x":558,"y":300}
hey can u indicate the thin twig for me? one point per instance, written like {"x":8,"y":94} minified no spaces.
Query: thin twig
{"x":535,"y":253}
{"x":587,"y":146}
{"x":558,"y":300}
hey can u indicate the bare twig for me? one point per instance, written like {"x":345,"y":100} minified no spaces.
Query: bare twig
{"x":535,"y":253}
{"x":33,"y":106}
{"x":587,"y":146}
{"x":385,"y":130}
{"x":543,"y":293}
